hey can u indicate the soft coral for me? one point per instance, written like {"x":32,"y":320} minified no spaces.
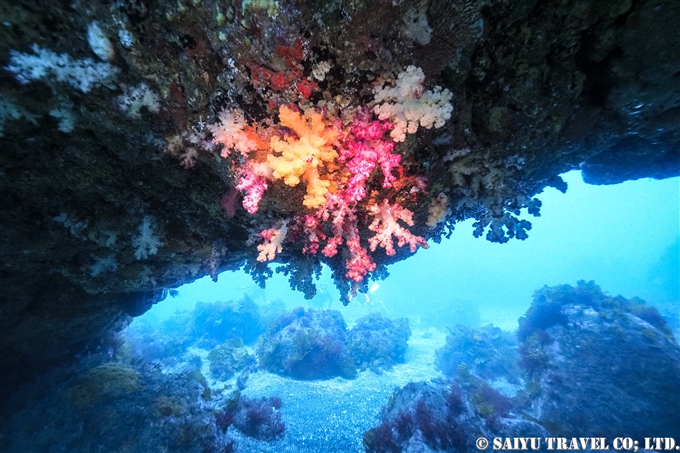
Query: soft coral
{"x":385,"y":225}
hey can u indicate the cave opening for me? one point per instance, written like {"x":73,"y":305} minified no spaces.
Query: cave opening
{"x":469,"y":310}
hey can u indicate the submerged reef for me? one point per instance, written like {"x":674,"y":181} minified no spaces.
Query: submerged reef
{"x":315,"y":344}
{"x":229,"y":358}
{"x":487,"y":352}
{"x":211,"y":333}
{"x":444,"y":416}
{"x":589,"y":364}
{"x":148,"y":144}
{"x":377,"y":342}
{"x":207,"y":325}
{"x":113,"y":407}
{"x":597,"y":364}
{"x":307,"y":344}
{"x":258,"y":418}
{"x":217,"y":322}
{"x":582,"y":362}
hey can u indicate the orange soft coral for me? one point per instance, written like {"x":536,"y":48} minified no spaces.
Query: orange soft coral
{"x":305,"y":157}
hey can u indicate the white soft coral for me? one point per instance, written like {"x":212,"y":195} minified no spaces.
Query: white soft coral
{"x":146,"y":243}
{"x":273,"y":238}
{"x":231,"y":132}
{"x":385,"y":226}
{"x":408,"y":105}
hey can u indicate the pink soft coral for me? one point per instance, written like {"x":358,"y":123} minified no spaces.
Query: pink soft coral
{"x":345,"y":226}
{"x":309,"y":227}
{"x":254,"y":185}
{"x":344,"y":221}
{"x":364,"y":150}
{"x":359,"y":262}
{"x":272,"y":240}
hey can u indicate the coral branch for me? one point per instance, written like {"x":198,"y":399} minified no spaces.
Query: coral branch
{"x":254,"y":185}
{"x":364,"y":151}
{"x":302,"y":157}
{"x":408,"y":105}
{"x":345,"y":226}
{"x":273,"y":238}
{"x":234,"y":133}
{"x":385,"y":226}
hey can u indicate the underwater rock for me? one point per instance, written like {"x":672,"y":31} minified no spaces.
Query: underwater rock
{"x":599,"y":365}
{"x":622,"y":162}
{"x":307,"y":344}
{"x":443,"y":416}
{"x":207,"y":326}
{"x":229,"y":358}
{"x":108,"y":380}
{"x":115,"y":407}
{"x":152,"y":342}
{"x":488,"y":352}
{"x":378,"y":342}
{"x":214,"y":323}
{"x":258,"y":418}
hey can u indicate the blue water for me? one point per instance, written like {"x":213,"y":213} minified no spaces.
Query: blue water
{"x":615,"y":235}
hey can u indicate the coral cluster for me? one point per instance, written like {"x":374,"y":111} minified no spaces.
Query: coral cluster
{"x":540,"y":89}
{"x":229,"y":358}
{"x":219,"y":327}
{"x":124,"y":409}
{"x":438,"y":210}
{"x":423,"y":412}
{"x":385,"y":226}
{"x":233,"y":133}
{"x":44,"y":64}
{"x":273,"y":238}
{"x":334,"y":154}
{"x":292,"y":80}
{"x":409,"y":106}
{"x":315,"y":344}
{"x":304,"y":155}
{"x":214,"y":323}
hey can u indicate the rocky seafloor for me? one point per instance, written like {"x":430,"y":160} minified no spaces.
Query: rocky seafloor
{"x":581,"y":363}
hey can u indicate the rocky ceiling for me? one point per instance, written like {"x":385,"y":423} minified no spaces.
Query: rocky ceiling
{"x":145,"y":144}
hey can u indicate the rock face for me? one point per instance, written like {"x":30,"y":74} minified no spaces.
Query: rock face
{"x":118,"y":180}
{"x":592,"y":364}
{"x":445,"y":416}
{"x":487,"y":352}
{"x":378,"y":343}
{"x":307,"y":344}
{"x":600,"y":365}
{"x":123,"y":409}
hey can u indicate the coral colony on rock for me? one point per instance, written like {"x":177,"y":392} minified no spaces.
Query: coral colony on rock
{"x":148,"y":144}
{"x":334,"y":152}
